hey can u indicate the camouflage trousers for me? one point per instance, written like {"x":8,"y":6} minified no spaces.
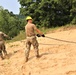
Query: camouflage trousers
{"x":31,"y":41}
{"x":2,"y":49}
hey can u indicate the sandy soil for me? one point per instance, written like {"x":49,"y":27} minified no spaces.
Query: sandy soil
{"x":57,"y":57}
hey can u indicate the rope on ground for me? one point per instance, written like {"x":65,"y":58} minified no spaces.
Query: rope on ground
{"x":61,"y":40}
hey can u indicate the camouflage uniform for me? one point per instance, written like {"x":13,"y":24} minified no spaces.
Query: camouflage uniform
{"x":2,"y":45}
{"x":31,"y":39}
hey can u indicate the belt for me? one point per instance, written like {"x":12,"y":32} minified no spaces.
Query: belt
{"x":30,"y":36}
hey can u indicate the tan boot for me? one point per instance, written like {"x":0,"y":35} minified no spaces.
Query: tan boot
{"x":2,"y":57}
{"x":37,"y":56}
{"x":26,"y":59}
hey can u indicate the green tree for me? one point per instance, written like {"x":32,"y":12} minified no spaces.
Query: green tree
{"x":49,"y":13}
{"x":9,"y":23}
{"x":73,"y":12}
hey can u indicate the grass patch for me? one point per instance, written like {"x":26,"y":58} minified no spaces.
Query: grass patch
{"x":19,"y":37}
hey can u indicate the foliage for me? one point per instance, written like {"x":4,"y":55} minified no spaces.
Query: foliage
{"x":10,"y":23}
{"x":49,"y":13}
{"x":20,"y":36}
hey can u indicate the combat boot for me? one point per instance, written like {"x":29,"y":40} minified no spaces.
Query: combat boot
{"x":2,"y":57}
{"x":37,"y":56}
{"x":26,"y":59}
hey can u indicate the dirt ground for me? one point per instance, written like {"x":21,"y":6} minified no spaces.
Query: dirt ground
{"x":57,"y":57}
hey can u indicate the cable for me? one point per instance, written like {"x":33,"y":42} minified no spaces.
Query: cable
{"x":60,"y":40}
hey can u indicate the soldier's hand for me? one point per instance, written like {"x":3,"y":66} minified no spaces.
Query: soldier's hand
{"x":43,"y":35}
{"x":38,"y":35}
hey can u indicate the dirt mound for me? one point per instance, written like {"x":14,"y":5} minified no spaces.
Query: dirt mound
{"x":63,"y":28}
{"x":57,"y":57}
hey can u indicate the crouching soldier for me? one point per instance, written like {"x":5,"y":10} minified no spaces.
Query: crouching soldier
{"x":2,"y":45}
{"x":30,"y":29}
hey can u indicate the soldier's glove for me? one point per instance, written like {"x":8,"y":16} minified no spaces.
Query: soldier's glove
{"x":43,"y":35}
{"x":38,"y":35}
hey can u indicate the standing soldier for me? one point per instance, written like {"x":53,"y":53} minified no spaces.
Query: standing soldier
{"x":2,"y":44}
{"x":30,"y":29}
